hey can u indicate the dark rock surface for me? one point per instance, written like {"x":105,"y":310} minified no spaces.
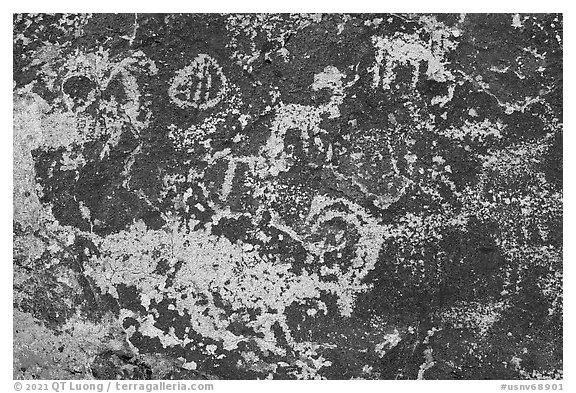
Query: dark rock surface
{"x":287,"y":196}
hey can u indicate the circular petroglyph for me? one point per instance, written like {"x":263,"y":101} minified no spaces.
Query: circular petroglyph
{"x":110,"y":84}
{"x":333,"y":223}
{"x":201,"y":84}
{"x":103,"y":95}
{"x":79,"y":90}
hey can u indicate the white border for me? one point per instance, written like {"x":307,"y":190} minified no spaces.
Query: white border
{"x":6,"y":383}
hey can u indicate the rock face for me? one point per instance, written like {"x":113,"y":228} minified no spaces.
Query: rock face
{"x":287,"y":196}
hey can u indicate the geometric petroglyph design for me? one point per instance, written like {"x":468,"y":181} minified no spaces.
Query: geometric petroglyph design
{"x":199,"y":85}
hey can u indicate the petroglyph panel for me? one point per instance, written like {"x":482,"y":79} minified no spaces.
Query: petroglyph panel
{"x":287,"y":196}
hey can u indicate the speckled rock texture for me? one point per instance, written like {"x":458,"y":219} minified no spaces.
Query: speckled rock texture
{"x":287,"y":196}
